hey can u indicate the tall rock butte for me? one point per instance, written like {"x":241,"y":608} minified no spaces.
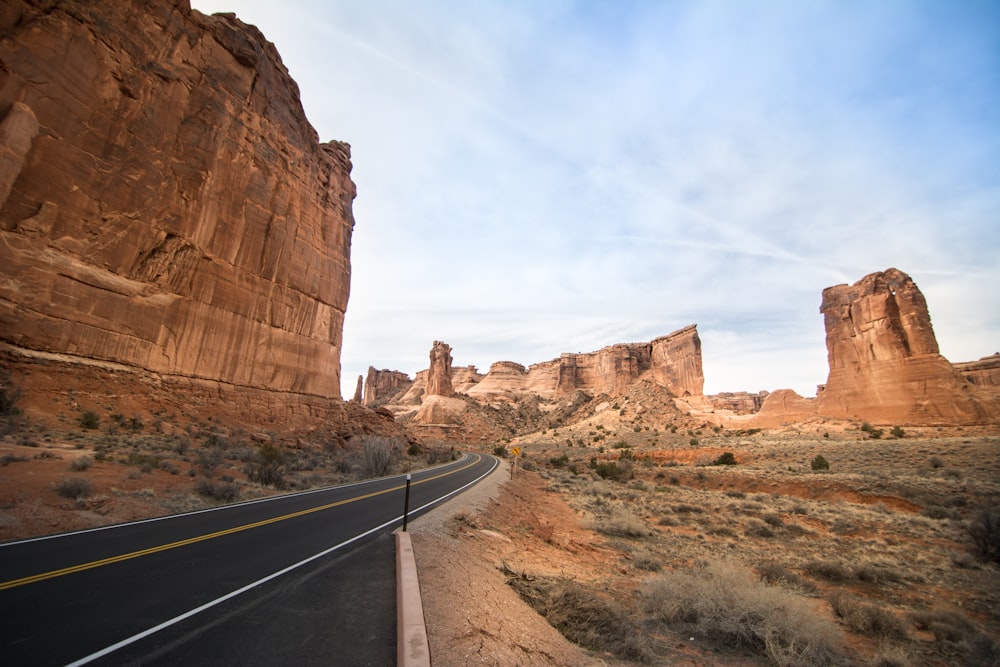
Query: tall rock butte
{"x":439,"y":371}
{"x":164,"y":203}
{"x":884,"y":358}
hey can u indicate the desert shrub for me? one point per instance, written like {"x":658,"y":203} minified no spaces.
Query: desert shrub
{"x":267,"y":467}
{"x":757,"y":528}
{"x":81,"y":464}
{"x":646,"y":560}
{"x":583,"y":616}
{"x":210,"y":457}
{"x":621,"y":523}
{"x":170,"y":467}
{"x":7,"y":459}
{"x":940,"y":513}
{"x":74,"y":488}
{"x":559,"y":461}
{"x":89,"y":419}
{"x":777,"y":574}
{"x":612,"y":470}
{"x":897,"y":432}
{"x":954,"y":633}
{"x":829,"y":570}
{"x":820,"y":463}
{"x":693,"y":442}
{"x":725,"y":459}
{"x":414,"y":450}
{"x":437,"y":455}
{"x":221,"y":491}
{"x":867,"y":619}
{"x":729,"y":603}
{"x":500,"y":451}
{"x":984,"y":529}
{"x":877,"y":573}
{"x":377,"y":451}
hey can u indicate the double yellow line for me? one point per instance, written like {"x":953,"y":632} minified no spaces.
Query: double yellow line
{"x":14,"y":583}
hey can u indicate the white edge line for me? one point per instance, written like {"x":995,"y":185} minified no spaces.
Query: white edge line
{"x":228,"y":596}
{"x":218,"y":508}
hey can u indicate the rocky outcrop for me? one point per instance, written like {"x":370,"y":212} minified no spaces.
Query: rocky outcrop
{"x":676,"y":362}
{"x":884,"y":359}
{"x":465,"y":378}
{"x":166,"y":205}
{"x":358,"y":390}
{"x":672,"y":361}
{"x":439,"y":372}
{"x":738,"y":402}
{"x":983,"y":374}
{"x":782,"y":407}
{"x":382,"y":385}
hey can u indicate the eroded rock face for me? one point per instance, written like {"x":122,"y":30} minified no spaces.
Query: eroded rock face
{"x":381,"y":385}
{"x":884,"y":359}
{"x":984,"y":373}
{"x":165,"y":203}
{"x":738,"y":402}
{"x":439,"y":372}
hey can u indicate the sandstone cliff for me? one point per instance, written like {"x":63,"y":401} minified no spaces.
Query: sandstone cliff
{"x":383,"y":385}
{"x":884,"y":359}
{"x":439,"y":372}
{"x":164,"y":203}
{"x":984,"y":373}
{"x":672,"y":362}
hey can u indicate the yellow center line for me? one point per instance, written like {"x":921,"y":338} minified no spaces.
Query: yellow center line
{"x":208,"y":536}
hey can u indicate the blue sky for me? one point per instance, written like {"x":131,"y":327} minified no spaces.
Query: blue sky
{"x":538,"y":177}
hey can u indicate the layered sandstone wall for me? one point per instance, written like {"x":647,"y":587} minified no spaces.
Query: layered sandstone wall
{"x":738,"y":402}
{"x":984,"y":373}
{"x":884,"y":359}
{"x":164,"y":203}
{"x":382,"y":385}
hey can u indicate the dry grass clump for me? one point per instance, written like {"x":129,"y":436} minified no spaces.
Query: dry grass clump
{"x":724,"y":601}
{"x":75,"y":488}
{"x":870,"y":620}
{"x":958,"y":637}
{"x":621,"y":523}
{"x":583,"y":616}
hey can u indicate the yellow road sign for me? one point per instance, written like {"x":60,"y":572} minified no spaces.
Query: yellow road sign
{"x":516,"y":451}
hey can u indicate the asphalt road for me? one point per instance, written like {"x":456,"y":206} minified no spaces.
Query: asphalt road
{"x":306,"y":578}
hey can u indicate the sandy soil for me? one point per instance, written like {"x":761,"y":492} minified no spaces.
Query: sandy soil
{"x":460,"y":559}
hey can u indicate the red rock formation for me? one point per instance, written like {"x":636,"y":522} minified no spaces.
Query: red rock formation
{"x":381,"y":386}
{"x":738,"y":402}
{"x":439,"y":372}
{"x":984,"y":373}
{"x":358,"y":395}
{"x":165,"y":203}
{"x":784,"y":406}
{"x":676,"y":362}
{"x":884,"y":361}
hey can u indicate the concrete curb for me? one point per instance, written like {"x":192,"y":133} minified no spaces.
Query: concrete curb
{"x":412,"y":649}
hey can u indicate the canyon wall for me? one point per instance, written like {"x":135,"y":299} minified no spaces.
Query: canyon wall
{"x":164,"y":203}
